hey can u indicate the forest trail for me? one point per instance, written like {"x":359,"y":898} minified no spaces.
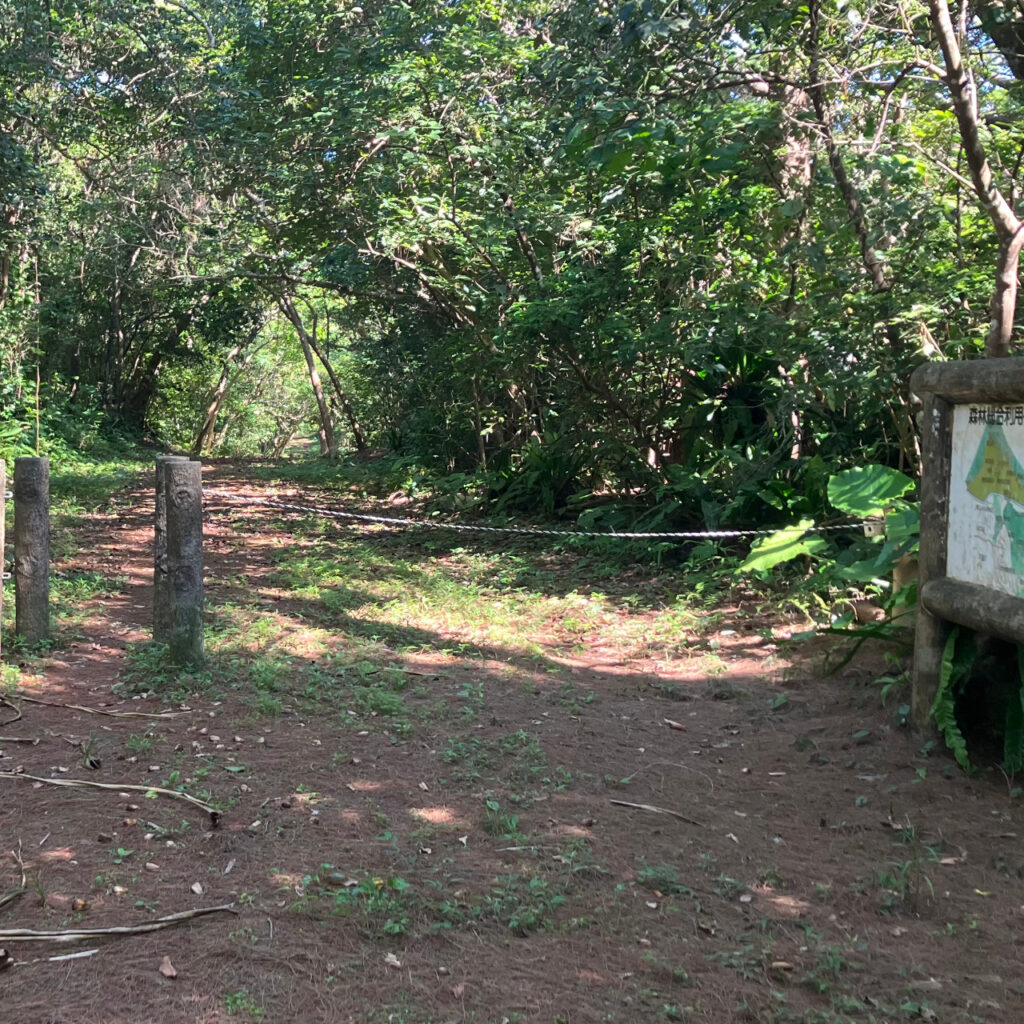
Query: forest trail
{"x":443,"y":770}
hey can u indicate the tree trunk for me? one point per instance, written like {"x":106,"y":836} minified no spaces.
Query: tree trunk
{"x":343,"y":400}
{"x":328,"y":442}
{"x":1009,"y":229}
{"x":847,"y":190}
{"x":207,"y":430}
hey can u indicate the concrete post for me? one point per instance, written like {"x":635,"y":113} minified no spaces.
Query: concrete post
{"x":161,"y":582}
{"x":32,"y":549}
{"x":183,"y":495}
{"x":3,"y":516}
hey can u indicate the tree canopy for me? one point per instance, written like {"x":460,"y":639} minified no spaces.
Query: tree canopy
{"x":682,"y":255}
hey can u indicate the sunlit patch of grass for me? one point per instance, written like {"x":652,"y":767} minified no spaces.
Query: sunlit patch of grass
{"x":378,"y":587}
{"x":84,"y":585}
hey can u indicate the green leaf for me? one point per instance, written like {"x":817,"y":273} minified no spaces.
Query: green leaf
{"x":867,"y":490}
{"x":957,"y":658}
{"x":902,"y":523}
{"x":782,"y":546}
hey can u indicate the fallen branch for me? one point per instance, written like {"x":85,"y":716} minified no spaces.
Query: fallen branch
{"x":20,"y":739}
{"x":14,"y":707}
{"x":7,"y":961}
{"x":80,"y":934}
{"x":21,"y":865}
{"x":14,"y":894}
{"x":103,"y":711}
{"x":83,"y":783}
{"x":657,"y":810}
{"x":11,"y":896}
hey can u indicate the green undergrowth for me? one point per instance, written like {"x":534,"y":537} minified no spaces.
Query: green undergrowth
{"x":981,"y":697}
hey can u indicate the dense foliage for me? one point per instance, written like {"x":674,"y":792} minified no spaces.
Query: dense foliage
{"x":681,"y":256}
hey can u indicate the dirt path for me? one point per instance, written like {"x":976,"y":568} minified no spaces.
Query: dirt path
{"x":437,"y":831}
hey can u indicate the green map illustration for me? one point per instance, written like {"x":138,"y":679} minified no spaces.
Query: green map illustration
{"x":996,"y":477}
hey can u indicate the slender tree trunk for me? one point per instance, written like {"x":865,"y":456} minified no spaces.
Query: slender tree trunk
{"x":847,"y":190}
{"x":343,"y":400}
{"x":115,"y":344}
{"x":1008,"y":226}
{"x":206,"y":431}
{"x":227,"y":378}
{"x":478,"y":428}
{"x":328,"y":442}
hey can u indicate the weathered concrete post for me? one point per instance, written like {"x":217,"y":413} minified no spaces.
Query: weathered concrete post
{"x":3,"y":515}
{"x":161,"y":581}
{"x":183,"y":496}
{"x":32,"y":549}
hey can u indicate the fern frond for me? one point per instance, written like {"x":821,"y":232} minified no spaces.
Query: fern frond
{"x":955,"y":667}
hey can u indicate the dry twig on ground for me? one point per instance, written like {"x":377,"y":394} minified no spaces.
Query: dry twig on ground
{"x":118,"y":787}
{"x":79,"y":934}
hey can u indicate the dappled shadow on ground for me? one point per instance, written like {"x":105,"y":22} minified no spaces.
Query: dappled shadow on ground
{"x":420,"y":829}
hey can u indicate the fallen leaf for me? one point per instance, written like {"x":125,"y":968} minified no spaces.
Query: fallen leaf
{"x":392,"y":961}
{"x":167,"y":968}
{"x":459,"y":990}
{"x":674,"y":725}
{"x":197,"y":888}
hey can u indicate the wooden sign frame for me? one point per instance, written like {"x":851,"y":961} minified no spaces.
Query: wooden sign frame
{"x":945,"y":602}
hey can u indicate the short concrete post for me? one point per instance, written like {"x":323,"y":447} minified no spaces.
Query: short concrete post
{"x":32,"y":549}
{"x":161,"y":582}
{"x":3,"y":516}
{"x":183,"y":495}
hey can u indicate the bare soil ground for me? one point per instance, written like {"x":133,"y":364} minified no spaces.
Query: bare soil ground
{"x":421,"y":827}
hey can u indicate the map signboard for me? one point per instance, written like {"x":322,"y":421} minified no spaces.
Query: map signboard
{"x":986,"y":497}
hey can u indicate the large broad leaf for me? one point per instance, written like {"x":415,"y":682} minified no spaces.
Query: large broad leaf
{"x":867,"y":490}
{"x":902,"y":523}
{"x":782,"y":546}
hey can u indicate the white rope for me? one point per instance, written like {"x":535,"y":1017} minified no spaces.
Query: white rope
{"x":531,"y":531}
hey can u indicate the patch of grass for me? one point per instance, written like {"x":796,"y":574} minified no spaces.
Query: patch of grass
{"x":521,"y":904}
{"x":72,"y":587}
{"x":663,"y":878}
{"x":381,"y":905}
{"x":147,"y":669}
{"x":499,"y":823}
{"x":242,"y":1002}
{"x":516,"y":758}
{"x":139,"y":744}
